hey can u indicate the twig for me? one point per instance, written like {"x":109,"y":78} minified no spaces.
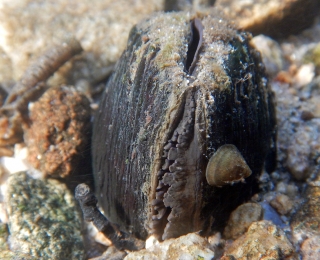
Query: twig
{"x":88,"y":204}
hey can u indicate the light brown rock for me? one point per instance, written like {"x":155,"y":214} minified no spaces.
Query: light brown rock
{"x":270,"y":52}
{"x":303,"y":150}
{"x":262,"y":241}
{"x":310,"y":248}
{"x":241,"y":218}
{"x":282,"y":204}
{"x":191,"y":246}
{"x":306,"y":221}
{"x":59,"y":133}
{"x":43,"y":219}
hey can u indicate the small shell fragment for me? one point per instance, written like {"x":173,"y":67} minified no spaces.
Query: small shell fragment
{"x":227,"y":166}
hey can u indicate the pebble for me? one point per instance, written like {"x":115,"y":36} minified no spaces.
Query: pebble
{"x":310,"y":248}
{"x":59,"y":134}
{"x":271,"y":53}
{"x":304,"y":149}
{"x":305,"y":222}
{"x":241,"y":218}
{"x":191,"y":246}
{"x":282,"y":204}
{"x":43,"y":220}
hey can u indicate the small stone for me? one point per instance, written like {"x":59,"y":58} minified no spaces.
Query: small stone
{"x":191,"y":246}
{"x":282,"y":203}
{"x":59,"y":134}
{"x":307,"y":115}
{"x":241,"y":218}
{"x":271,"y":53}
{"x":310,"y":248}
{"x":304,"y":75}
{"x":263,"y":240}
{"x":111,"y":254}
{"x":303,"y":150}
{"x":43,"y":219}
{"x":291,"y":190}
{"x":306,"y":221}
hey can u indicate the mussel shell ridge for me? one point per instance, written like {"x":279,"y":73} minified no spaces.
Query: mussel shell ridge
{"x":160,"y":120}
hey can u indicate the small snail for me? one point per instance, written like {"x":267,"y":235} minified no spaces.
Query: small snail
{"x":188,"y":87}
{"x":226,"y":166}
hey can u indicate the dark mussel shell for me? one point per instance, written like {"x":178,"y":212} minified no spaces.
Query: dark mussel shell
{"x":186,"y":85}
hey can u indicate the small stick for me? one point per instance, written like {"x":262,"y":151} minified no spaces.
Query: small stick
{"x":91,"y":213}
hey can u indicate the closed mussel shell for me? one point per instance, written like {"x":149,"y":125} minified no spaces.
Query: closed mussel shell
{"x":186,"y":85}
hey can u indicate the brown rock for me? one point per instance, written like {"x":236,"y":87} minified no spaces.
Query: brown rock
{"x":191,"y":246}
{"x":282,"y":204}
{"x":276,"y":18}
{"x":303,"y":150}
{"x":59,"y":132}
{"x":306,"y":221}
{"x":241,"y":218}
{"x":262,"y":241}
{"x":270,"y":52}
{"x":310,"y":248}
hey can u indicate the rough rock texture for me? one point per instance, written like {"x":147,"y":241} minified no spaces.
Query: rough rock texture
{"x":43,"y":220}
{"x":59,"y":134}
{"x":310,"y":248}
{"x":241,"y":218}
{"x":298,"y":145}
{"x":111,"y":254}
{"x":304,"y":150}
{"x":102,"y":27}
{"x":282,"y":204}
{"x":297,"y":89}
{"x":262,"y":241}
{"x":306,"y":221}
{"x":191,"y":246}
{"x":276,"y":18}
{"x":4,"y":247}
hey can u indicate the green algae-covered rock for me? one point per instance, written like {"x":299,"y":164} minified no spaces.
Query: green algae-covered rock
{"x":43,"y":220}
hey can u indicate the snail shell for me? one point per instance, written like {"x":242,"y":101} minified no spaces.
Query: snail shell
{"x":226,"y":166}
{"x":185,"y":86}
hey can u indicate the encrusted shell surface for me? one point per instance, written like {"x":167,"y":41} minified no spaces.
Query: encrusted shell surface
{"x":186,"y":85}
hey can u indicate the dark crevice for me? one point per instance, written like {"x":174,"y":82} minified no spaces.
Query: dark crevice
{"x":194,"y":45}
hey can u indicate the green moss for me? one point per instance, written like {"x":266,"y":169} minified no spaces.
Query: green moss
{"x":44,"y":221}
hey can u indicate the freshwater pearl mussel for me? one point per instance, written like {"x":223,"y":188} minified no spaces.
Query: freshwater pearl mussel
{"x":187,"y":88}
